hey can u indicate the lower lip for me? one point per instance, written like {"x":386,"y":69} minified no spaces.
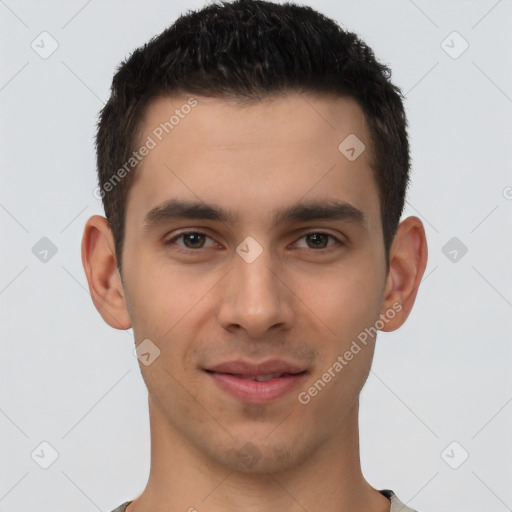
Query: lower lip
{"x":252,"y":391}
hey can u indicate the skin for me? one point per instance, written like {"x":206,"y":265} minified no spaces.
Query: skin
{"x":205,"y":305}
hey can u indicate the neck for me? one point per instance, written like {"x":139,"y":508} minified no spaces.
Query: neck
{"x":182,"y":479}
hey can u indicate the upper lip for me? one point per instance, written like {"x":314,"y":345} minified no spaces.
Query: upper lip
{"x":250,"y":369}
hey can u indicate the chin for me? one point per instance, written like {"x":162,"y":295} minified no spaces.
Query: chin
{"x":259,"y":457}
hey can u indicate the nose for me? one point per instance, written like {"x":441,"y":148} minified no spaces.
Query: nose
{"x":255,"y":297}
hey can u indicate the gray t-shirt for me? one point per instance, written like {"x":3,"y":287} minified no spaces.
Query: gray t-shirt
{"x":396,"y":504}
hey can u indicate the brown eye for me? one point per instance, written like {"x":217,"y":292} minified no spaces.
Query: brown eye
{"x":318,"y":240}
{"x":191,"y":240}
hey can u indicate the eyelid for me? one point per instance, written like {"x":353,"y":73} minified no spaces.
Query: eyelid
{"x":170,"y":241}
{"x":338,"y":239}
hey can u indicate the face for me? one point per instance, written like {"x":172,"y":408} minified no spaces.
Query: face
{"x":267,"y":259}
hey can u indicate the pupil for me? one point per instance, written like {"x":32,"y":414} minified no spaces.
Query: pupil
{"x":317,"y":237}
{"x":195,"y":238}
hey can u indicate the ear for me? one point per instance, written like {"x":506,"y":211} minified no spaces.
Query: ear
{"x":99,"y":262}
{"x":407,"y":262}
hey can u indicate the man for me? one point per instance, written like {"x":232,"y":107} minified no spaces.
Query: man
{"x":253,"y":163}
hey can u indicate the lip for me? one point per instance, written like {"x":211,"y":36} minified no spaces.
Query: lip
{"x":248,"y":369}
{"x":234,"y":378}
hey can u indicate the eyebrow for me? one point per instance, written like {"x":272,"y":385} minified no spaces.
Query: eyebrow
{"x":304,"y":211}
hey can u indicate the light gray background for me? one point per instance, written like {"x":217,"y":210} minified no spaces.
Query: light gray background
{"x":69,"y":379}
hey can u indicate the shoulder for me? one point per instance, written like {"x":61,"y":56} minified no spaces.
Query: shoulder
{"x":122,"y":507}
{"x":396,"y":504}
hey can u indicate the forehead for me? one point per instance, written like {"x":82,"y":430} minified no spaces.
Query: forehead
{"x":219,"y":123}
{"x":254,"y":157}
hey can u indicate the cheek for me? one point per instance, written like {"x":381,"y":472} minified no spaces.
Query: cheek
{"x":350,"y":305}
{"x":157,"y":294}
{"x":346,"y":301}
{"x":169,"y":307}
{"x":346,"y":349}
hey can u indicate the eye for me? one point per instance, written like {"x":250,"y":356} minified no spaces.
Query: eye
{"x":318,"y":240}
{"x":192,"y":240}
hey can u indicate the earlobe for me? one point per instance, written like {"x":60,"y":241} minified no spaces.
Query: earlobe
{"x":99,"y":262}
{"x":408,"y":259}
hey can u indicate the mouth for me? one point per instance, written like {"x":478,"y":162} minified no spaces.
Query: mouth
{"x":256,"y":383}
{"x":260,"y":378}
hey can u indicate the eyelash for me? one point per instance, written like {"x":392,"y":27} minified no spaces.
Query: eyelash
{"x":195,"y":232}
